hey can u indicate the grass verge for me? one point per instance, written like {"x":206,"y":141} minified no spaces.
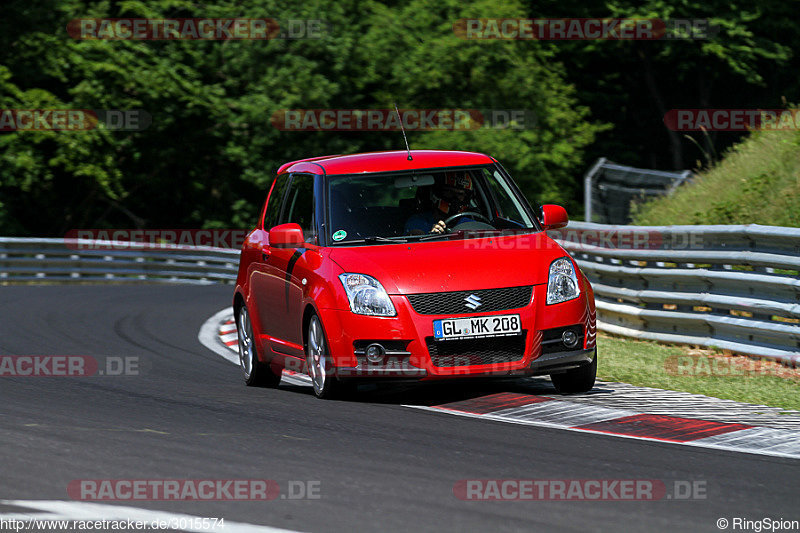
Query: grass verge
{"x":757,"y":182}
{"x":699,"y":371}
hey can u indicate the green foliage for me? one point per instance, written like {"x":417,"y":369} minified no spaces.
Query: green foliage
{"x":210,"y":152}
{"x":757,"y":182}
{"x":749,"y":63}
{"x":421,"y":63}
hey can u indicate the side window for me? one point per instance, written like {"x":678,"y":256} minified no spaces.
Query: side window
{"x":300,"y":205}
{"x":275,"y":200}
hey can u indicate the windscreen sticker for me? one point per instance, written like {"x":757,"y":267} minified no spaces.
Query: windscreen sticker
{"x":339,"y":235}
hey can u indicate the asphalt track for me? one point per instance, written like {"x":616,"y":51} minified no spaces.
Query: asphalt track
{"x":380,"y":465}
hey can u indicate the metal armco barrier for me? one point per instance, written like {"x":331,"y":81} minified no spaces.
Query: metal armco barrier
{"x":609,"y":188}
{"x":74,"y":260}
{"x":732,"y":287}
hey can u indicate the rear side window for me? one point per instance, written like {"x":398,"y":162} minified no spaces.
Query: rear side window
{"x":300,"y":205}
{"x":272,"y":216}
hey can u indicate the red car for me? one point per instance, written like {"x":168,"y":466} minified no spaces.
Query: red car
{"x":419,"y":265}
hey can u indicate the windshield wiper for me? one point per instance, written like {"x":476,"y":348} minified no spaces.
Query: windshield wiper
{"x":376,"y":238}
{"x":438,"y":236}
{"x":372,"y":239}
{"x":461,"y":233}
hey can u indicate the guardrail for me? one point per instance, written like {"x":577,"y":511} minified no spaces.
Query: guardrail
{"x":608,"y":189}
{"x":76,"y":260}
{"x":732,"y":287}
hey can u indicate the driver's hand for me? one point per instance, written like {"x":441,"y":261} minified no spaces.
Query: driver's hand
{"x":439,"y":227}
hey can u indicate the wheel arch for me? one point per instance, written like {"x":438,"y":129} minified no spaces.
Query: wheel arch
{"x":238,"y":303}
{"x":308,"y":312}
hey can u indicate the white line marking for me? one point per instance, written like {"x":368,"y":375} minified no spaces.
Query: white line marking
{"x":209,"y":336}
{"x":75,"y":510}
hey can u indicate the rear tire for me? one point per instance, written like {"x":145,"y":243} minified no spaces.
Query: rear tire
{"x":256,"y":373}
{"x":577,"y":380}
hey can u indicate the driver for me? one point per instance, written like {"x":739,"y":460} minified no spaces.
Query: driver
{"x":449,"y":196}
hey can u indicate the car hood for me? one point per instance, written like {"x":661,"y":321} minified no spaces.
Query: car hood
{"x":442,"y":266}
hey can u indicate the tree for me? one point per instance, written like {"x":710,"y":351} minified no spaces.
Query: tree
{"x":632,"y":84}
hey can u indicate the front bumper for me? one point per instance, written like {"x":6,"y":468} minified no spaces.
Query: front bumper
{"x":558,"y":362}
{"x":409,"y":333}
{"x":552,"y":363}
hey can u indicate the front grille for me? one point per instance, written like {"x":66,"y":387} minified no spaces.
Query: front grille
{"x":485,"y":301}
{"x":487,"y":351}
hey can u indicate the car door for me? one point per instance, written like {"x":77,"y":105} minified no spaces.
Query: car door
{"x":289,"y":267}
{"x":266,"y":280}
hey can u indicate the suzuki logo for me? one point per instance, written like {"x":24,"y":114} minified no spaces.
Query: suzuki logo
{"x":473,"y":301}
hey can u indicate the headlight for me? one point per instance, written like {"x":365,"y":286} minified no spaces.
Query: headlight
{"x":366,"y":295}
{"x":562,"y":283}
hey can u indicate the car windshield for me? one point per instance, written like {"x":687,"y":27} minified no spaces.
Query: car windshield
{"x":401,"y":207}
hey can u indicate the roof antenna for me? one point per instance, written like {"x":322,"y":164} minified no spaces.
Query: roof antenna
{"x":403,"y":130}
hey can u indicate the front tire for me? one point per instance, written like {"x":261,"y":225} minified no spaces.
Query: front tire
{"x":319,"y":363}
{"x":577,"y":380}
{"x":256,"y":373}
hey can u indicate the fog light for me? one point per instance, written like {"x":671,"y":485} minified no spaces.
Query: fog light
{"x":375,"y":353}
{"x":569,"y":338}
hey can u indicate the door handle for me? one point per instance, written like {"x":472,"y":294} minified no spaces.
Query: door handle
{"x":264,"y":256}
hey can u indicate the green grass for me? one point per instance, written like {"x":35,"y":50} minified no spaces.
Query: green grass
{"x":651,"y":364}
{"x":757,"y":182}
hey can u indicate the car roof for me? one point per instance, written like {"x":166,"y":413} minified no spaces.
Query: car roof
{"x":385,"y":162}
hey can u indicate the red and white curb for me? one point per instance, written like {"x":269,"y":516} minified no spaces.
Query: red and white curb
{"x":616,"y":409}
{"x":227,"y":333}
{"x":544,"y":411}
{"x":218,"y":334}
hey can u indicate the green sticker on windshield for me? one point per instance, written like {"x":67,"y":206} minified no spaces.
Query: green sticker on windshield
{"x":339,"y":235}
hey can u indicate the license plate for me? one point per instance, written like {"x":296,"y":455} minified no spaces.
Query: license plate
{"x":482,"y":326}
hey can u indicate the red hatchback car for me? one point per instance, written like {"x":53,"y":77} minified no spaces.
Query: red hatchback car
{"x":418,"y":265}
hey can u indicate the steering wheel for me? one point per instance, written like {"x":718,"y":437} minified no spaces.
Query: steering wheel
{"x":472,"y":214}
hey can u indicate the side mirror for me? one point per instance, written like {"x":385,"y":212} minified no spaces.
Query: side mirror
{"x":287,"y":236}
{"x":554,"y":216}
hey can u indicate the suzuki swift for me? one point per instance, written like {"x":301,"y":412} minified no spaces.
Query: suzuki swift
{"x":419,"y":265}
